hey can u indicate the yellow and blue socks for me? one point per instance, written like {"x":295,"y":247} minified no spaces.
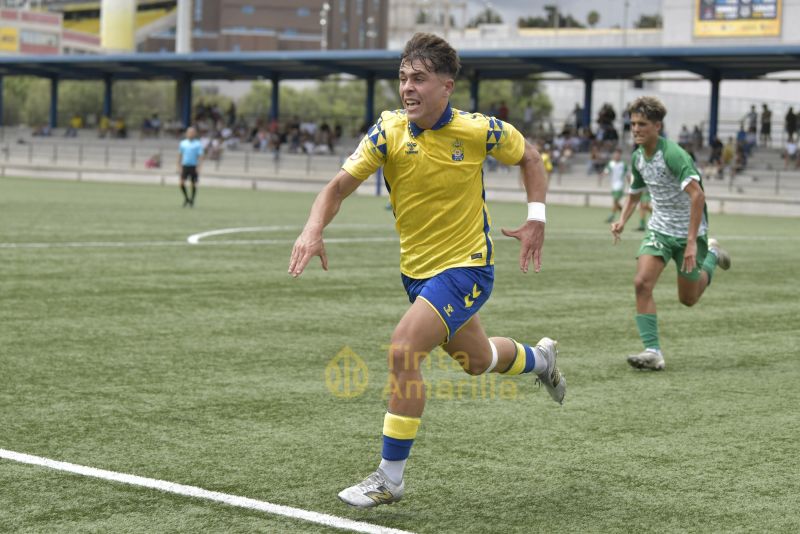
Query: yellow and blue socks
{"x":399,"y":432}
{"x":526,"y":361}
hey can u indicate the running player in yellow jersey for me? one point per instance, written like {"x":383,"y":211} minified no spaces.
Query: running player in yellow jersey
{"x":432,"y":156}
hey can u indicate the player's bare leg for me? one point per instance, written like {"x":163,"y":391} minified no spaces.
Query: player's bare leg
{"x":478,"y":354}
{"x":418,"y":332}
{"x":648,"y":270}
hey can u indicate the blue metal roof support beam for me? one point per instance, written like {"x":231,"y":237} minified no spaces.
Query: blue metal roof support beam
{"x":586,"y":120}
{"x":474,"y":88}
{"x":369,"y":112}
{"x":178,"y":99}
{"x":713,"y":114}
{"x":274,"y":108}
{"x":53,"y":102}
{"x":680,"y":64}
{"x":557,"y":66}
{"x":107,"y":96}
{"x":185,"y":100}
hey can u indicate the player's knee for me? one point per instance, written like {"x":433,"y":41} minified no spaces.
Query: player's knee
{"x":402,"y":358}
{"x":688,"y":300}
{"x":471,"y":363}
{"x":642,"y":285}
{"x":476,"y":368}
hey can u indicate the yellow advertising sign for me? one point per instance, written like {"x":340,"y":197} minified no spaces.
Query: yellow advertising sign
{"x":737,"y":18}
{"x":9,"y":39}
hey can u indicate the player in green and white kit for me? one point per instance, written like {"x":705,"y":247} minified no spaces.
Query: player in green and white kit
{"x":677,"y":229}
{"x":616,"y":170}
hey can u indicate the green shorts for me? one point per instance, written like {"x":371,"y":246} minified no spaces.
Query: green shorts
{"x":617,"y":194}
{"x":668,"y":248}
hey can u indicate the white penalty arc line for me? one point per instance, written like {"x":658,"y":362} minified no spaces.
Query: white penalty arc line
{"x":200,"y":493}
{"x":194,"y":239}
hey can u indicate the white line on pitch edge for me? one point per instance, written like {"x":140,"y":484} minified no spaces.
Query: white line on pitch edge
{"x":200,"y":493}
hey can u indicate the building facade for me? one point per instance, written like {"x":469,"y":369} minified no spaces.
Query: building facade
{"x":263,"y":25}
{"x":32,"y":32}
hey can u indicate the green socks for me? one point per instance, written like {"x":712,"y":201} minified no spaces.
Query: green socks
{"x":647,"y":323}
{"x":709,"y":264}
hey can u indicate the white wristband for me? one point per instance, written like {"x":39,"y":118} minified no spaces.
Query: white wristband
{"x":536,"y":211}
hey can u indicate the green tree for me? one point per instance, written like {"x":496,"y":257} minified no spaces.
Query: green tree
{"x":27,"y":100}
{"x":16,"y":92}
{"x":333,"y":100}
{"x":549,"y":21}
{"x":487,"y":16}
{"x":83,"y":98}
{"x":515,"y":93}
{"x":593,"y":18}
{"x":135,"y":100}
{"x":649,"y":21}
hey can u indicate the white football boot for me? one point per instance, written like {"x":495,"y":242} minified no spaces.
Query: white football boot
{"x":647,"y":359}
{"x":374,"y":490}
{"x":723,"y":258}
{"x":554,"y":382}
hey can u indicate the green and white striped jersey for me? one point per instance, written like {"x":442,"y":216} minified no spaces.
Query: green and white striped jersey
{"x":667,"y":174}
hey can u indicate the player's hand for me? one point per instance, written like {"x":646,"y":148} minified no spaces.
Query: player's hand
{"x":531,"y":239}
{"x":689,"y":256}
{"x":616,"y":230}
{"x":305,"y":248}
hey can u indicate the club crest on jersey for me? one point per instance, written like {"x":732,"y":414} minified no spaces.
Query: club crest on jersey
{"x":411,"y":148}
{"x":457,"y":151}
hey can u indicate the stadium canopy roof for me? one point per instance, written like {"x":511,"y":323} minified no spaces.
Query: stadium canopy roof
{"x":600,"y":63}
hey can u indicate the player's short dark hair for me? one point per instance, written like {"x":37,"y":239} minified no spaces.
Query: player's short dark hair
{"x":650,"y":107}
{"x":434,"y":52}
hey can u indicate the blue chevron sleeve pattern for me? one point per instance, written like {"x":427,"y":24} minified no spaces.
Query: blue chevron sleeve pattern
{"x":493,"y":133}
{"x":377,"y":135}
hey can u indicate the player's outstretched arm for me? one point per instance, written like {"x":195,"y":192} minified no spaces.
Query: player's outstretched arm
{"x":698,"y":199}
{"x":627,"y":210}
{"x":531,"y":234}
{"x":324,"y":209}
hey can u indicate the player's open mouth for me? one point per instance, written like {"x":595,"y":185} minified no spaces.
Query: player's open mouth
{"x":411,"y":105}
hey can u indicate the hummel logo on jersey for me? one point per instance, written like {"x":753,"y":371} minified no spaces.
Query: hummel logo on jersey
{"x":448,"y":309}
{"x":411,"y":148}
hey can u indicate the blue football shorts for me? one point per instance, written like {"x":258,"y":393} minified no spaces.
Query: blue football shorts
{"x":455,"y":294}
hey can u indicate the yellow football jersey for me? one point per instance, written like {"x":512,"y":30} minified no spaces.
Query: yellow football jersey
{"x":435,"y":183}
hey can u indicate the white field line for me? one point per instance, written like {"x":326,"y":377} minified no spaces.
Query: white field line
{"x":200,"y":493}
{"x":555,"y":234}
{"x":194,"y":239}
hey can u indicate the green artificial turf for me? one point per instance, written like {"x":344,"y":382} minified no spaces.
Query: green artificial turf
{"x":124,"y":348}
